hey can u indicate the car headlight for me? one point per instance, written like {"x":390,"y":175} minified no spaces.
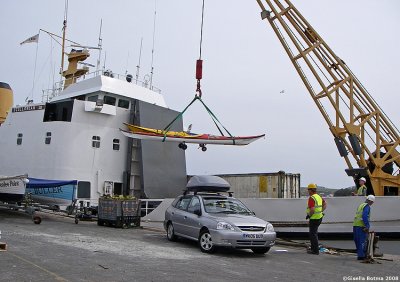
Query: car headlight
{"x":224,"y":226}
{"x":270,"y":228}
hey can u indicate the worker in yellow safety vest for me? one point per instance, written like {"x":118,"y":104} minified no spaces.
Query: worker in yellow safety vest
{"x":362,"y":190}
{"x":361,"y":226}
{"x":315,"y":207}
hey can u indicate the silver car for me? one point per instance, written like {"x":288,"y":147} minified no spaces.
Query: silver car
{"x":217,"y":220}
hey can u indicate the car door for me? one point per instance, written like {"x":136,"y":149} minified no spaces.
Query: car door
{"x":193,"y":221}
{"x":179,"y":215}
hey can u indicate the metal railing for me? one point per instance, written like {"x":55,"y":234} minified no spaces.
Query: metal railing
{"x":148,"y":205}
{"x":49,"y":94}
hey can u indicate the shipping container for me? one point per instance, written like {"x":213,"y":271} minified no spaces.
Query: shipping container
{"x":264,"y":185}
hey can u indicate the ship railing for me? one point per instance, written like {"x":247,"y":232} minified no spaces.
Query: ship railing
{"x":126,"y":77}
{"x":49,"y":94}
{"x":148,"y":205}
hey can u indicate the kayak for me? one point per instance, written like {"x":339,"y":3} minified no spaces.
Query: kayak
{"x":144,"y":133}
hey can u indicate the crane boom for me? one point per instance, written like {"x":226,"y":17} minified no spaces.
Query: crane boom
{"x":366,"y":138}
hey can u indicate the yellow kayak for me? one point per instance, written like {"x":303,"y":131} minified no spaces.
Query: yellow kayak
{"x":140,"y":129}
{"x":144,"y":133}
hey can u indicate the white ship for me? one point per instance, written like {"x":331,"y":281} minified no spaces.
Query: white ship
{"x":74,"y":135}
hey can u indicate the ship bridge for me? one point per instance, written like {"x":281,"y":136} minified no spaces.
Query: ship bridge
{"x":107,"y":82}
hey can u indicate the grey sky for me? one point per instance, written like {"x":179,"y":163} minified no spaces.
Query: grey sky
{"x":245,"y":69}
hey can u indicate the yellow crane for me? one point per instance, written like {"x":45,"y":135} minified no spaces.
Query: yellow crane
{"x":365,"y":137}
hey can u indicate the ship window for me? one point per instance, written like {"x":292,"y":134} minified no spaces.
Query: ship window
{"x":19,"y":139}
{"x":93,"y":98}
{"x":109,"y":100}
{"x":80,"y":98}
{"x":47,"y":140}
{"x":83,"y":190}
{"x":116,"y":144}
{"x":123,"y":103}
{"x":96,"y":141}
{"x":61,"y":111}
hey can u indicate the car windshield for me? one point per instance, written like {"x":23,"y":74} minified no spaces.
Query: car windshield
{"x":224,"y":205}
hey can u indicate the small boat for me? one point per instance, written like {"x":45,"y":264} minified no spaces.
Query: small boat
{"x":52,"y":192}
{"x":12,"y":188}
{"x":145,"y":133}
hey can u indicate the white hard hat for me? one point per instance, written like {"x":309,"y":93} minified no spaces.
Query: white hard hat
{"x":371,"y":198}
{"x":362,"y":179}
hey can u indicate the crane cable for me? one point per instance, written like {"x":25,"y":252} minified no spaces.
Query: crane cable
{"x":199,"y":76}
{"x":199,"y":62}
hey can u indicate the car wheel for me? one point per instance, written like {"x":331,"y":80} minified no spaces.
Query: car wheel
{"x":261,"y":250}
{"x":170,"y":232}
{"x":205,"y":242}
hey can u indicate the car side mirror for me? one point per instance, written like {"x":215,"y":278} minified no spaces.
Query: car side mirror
{"x":197,"y":212}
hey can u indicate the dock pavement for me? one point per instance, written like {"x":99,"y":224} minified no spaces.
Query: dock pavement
{"x":60,"y":250}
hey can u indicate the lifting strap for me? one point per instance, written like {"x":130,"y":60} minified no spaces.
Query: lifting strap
{"x":212,"y":115}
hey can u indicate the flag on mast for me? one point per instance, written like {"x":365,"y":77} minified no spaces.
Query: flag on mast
{"x":31,"y":39}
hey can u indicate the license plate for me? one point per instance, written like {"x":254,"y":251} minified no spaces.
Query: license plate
{"x":252,"y":236}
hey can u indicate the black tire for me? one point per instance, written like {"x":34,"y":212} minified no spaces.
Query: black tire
{"x":184,"y":146}
{"x":76,"y":220}
{"x":37,"y":219}
{"x":204,"y":148}
{"x":205,"y":242}
{"x":100,"y":222}
{"x":261,"y":250}
{"x":170,"y":232}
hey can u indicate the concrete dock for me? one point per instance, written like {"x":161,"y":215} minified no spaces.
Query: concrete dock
{"x":60,"y":250}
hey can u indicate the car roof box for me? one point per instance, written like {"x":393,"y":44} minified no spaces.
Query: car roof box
{"x":207,"y":183}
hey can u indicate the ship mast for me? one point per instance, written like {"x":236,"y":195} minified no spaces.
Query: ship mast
{"x":63,"y":37}
{"x":99,"y":45}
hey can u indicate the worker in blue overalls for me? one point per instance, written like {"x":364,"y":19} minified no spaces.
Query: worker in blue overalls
{"x":361,"y":226}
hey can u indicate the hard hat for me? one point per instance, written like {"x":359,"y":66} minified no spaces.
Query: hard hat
{"x":371,"y":198}
{"x":362,"y":179}
{"x":312,"y":186}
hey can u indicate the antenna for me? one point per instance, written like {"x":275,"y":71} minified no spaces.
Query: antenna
{"x":105,"y":58}
{"x":152,"y":50}
{"x":84,"y":47}
{"x":86,"y":64}
{"x":140,"y":57}
{"x":99,"y":45}
{"x":127,"y":63}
